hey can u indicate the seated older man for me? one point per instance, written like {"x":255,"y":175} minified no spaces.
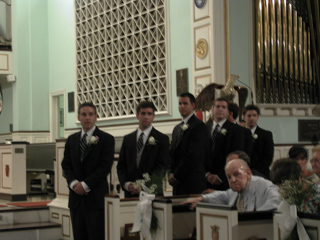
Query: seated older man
{"x":247,"y":192}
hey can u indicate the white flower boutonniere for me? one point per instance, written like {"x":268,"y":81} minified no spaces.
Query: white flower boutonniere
{"x":152,"y":141}
{"x":93,"y":140}
{"x":255,"y":136}
{"x":184,"y":127}
{"x":223,"y":131}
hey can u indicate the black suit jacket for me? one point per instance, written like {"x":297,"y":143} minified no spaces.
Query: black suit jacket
{"x":188,"y":155}
{"x":93,"y":169}
{"x":154,"y":157}
{"x":237,"y":138}
{"x":262,"y":152}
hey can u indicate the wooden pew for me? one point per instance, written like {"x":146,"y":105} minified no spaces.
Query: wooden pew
{"x":224,"y":222}
{"x":118,"y":214}
{"x":311,"y":223}
{"x":175,"y":220}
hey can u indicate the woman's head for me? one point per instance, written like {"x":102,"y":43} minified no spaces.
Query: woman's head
{"x":300,"y":154}
{"x":284,"y":169}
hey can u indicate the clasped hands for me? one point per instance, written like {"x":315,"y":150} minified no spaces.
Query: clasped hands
{"x":78,"y":189}
{"x":172,"y":181}
{"x":133,"y":190}
{"x":213,"y":179}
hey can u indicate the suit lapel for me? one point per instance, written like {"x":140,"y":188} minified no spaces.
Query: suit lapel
{"x":175,"y":135}
{"x":132,"y":150}
{"x":77,"y":145}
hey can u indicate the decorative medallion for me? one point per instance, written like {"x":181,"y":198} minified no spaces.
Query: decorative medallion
{"x":201,"y":48}
{"x":199,"y":3}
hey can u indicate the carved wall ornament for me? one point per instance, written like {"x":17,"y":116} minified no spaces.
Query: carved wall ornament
{"x":201,"y":48}
{"x":228,"y":90}
{"x":215,"y":232}
{"x":7,"y":170}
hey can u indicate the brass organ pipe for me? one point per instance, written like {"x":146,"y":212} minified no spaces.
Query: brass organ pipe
{"x":295,"y":55}
{"x":305,"y":62}
{"x":273,"y":48}
{"x":259,"y":50}
{"x":300,"y":63}
{"x":285,"y":49}
{"x":317,"y":19}
{"x":279,"y":52}
{"x":290,"y":52}
{"x":311,"y":86}
{"x":267,"y":49}
{"x":313,"y":43}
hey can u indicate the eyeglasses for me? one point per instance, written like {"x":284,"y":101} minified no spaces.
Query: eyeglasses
{"x":315,"y":160}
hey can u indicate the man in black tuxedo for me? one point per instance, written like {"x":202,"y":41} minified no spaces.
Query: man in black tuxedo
{"x":226,"y":137}
{"x":189,"y":149}
{"x":233,"y":115}
{"x":87,"y":161}
{"x":263,"y":146}
{"x":149,"y":156}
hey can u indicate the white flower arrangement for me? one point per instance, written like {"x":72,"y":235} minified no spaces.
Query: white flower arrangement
{"x":184,"y":127}
{"x":152,"y":141}
{"x":151,"y":185}
{"x":255,"y":136}
{"x":223,"y":131}
{"x":93,"y":140}
{"x":145,"y":184}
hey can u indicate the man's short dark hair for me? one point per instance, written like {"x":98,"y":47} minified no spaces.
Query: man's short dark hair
{"x":251,"y":107}
{"x":87,"y":104}
{"x":234,"y":108}
{"x":284,"y":169}
{"x":220,"y":100}
{"x":295,"y":151}
{"x":146,"y":104}
{"x":189,"y":95}
{"x":241,"y":155}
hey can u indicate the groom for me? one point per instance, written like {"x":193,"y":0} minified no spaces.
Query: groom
{"x":87,"y":161}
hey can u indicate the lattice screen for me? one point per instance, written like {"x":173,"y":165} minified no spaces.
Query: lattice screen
{"x":121,"y":55}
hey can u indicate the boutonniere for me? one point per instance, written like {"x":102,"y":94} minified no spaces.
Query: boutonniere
{"x":223,"y":131}
{"x":152,"y":141}
{"x":93,"y":140}
{"x":184,"y":127}
{"x":255,"y":136}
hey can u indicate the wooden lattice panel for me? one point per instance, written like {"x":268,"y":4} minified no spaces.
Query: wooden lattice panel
{"x":121,"y":55}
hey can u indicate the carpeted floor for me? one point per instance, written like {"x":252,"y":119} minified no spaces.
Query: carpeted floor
{"x":29,"y":204}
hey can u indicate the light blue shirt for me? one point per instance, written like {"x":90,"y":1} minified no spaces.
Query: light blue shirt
{"x":259,"y":195}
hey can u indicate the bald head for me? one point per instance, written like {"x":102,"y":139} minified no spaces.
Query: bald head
{"x":238,"y":174}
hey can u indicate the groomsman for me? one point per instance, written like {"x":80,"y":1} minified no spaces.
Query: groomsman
{"x":233,"y":115}
{"x":87,"y":161}
{"x":189,"y":149}
{"x":226,"y":137}
{"x":145,"y":150}
{"x":233,"y":112}
{"x":263,"y":146}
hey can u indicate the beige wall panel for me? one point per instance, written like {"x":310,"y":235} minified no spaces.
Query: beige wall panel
{"x":201,"y":13}
{"x":4,"y":62}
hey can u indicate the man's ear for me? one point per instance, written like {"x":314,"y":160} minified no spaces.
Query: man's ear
{"x":249,"y":172}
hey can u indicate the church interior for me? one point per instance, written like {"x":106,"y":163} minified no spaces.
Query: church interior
{"x":55,"y":55}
